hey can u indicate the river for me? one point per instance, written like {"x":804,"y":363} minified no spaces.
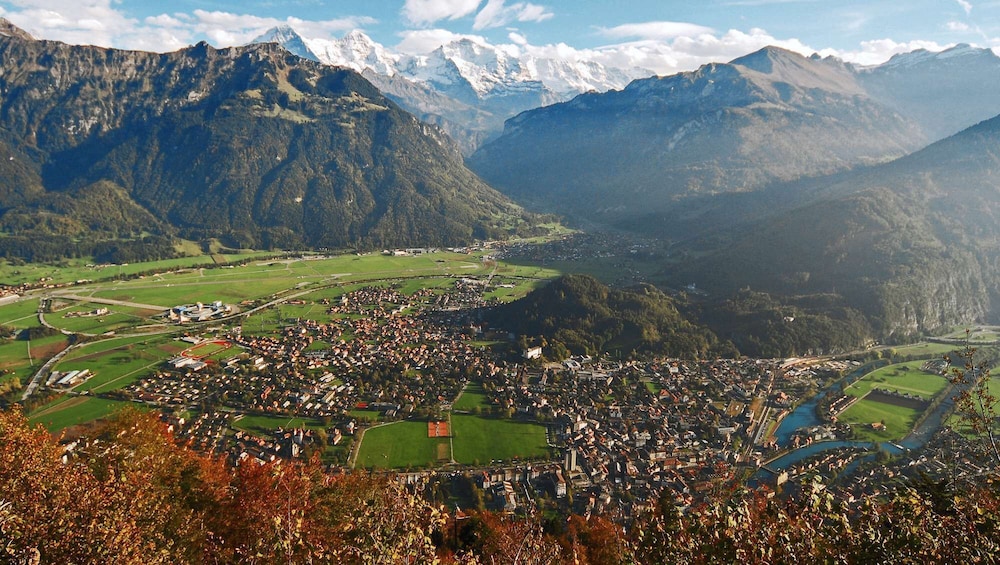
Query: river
{"x":805,"y":416}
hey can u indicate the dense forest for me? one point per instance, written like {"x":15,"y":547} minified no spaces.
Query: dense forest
{"x":580,"y":315}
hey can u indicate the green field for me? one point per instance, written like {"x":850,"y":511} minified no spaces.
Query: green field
{"x":16,"y":357}
{"x":958,"y":422}
{"x":117,"y":363}
{"x":898,"y":420}
{"x":21,"y":314}
{"x":926,"y":350}
{"x":265,"y":425}
{"x":483,"y":439}
{"x":400,"y":445}
{"x":69,"y":411}
{"x":902,"y":377}
{"x":116,"y":319}
{"x":473,"y":396}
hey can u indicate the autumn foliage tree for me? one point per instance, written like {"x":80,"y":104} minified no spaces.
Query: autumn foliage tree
{"x":131,"y":495}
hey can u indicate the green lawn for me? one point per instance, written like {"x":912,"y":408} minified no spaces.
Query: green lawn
{"x":483,"y":439}
{"x":473,"y":396}
{"x":400,"y":445}
{"x":73,"y":410}
{"x":366,"y":415}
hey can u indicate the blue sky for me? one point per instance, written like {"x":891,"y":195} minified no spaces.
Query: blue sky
{"x":664,"y":35}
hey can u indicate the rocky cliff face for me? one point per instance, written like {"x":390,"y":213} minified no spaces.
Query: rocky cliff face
{"x":252,"y":144}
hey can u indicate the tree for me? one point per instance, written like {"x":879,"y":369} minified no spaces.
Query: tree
{"x":975,"y":402}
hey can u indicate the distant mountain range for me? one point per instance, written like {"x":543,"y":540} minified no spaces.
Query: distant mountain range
{"x":795,"y":176}
{"x":467,"y":87}
{"x":638,"y":157}
{"x":663,"y":148}
{"x":250,"y":144}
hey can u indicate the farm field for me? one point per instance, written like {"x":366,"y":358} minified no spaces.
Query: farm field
{"x":117,"y":319}
{"x":22,"y":357}
{"x":480,"y":440}
{"x":116,"y":363}
{"x":925,"y":349}
{"x":959,"y":423}
{"x":21,"y":314}
{"x":73,"y":410}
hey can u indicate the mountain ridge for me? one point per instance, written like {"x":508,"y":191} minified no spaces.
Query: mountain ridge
{"x":251,"y":144}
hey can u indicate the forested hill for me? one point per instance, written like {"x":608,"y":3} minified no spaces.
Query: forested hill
{"x":578,"y":314}
{"x":249,"y":144}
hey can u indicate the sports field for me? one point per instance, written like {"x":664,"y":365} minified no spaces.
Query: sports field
{"x":479,"y":440}
{"x":400,"y":445}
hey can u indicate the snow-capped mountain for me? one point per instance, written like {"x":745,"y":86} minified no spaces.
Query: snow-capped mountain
{"x":463,"y":85}
{"x":945,"y":91}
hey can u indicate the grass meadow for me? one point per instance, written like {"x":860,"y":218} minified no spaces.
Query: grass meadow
{"x":72,"y":410}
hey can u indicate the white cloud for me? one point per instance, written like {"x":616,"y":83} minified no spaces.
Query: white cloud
{"x":517,"y":38}
{"x":880,"y":50}
{"x":93,"y":22}
{"x":424,"y":12}
{"x":957,"y":26}
{"x":654,"y":30}
{"x":966,"y":5}
{"x":100,"y":22}
{"x":496,"y":14}
{"x":678,"y":52}
{"x":418,"y":42}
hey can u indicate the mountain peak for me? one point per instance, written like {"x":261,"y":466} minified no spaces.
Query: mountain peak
{"x":286,"y":36}
{"x":764,"y":60}
{"x":7,"y":29}
{"x":922,"y":56}
{"x":778,"y":65}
